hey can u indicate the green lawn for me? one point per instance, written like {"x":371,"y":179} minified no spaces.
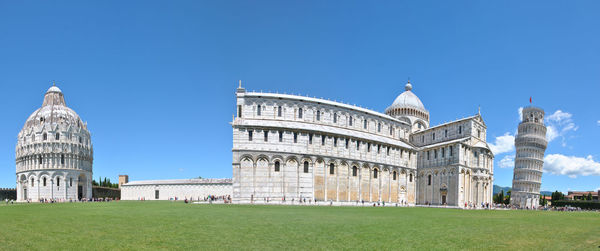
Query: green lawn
{"x":169,"y":225}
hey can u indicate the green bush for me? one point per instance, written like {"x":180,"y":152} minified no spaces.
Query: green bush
{"x":577,"y":203}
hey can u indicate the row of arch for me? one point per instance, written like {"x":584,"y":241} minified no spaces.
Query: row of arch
{"x":321,"y":179}
{"x":62,"y":185}
{"x":408,"y":112}
{"x":54,"y":161}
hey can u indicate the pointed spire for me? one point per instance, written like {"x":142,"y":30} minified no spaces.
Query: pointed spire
{"x":479,"y":110}
{"x":240,"y":84}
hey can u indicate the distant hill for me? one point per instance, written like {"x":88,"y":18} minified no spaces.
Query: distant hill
{"x":497,"y":189}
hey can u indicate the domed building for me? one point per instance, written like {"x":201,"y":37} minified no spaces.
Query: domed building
{"x":291,"y":149}
{"x":54,"y":153}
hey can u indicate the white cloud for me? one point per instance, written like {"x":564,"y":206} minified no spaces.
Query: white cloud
{"x":558,"y":125}
{"x":507,"y":162}
{"x":520,"y":113}
{"x":503,"y":144}
{"x":571,"y":166}
{"x":599,"y":122}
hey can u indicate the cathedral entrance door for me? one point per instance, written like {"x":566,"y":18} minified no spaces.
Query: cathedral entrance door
{"x":24,"y":193}
{"x":443,"y":199}
{"x":79,"y":192}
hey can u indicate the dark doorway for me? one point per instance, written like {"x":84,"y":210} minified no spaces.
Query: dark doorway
{"x":443,"y":199}
{"x":79,"y":192}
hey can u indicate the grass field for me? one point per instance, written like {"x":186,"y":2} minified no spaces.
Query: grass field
{"x":169,"y":225}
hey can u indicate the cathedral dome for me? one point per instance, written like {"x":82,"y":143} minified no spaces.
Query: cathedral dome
{"x":408,"y":99}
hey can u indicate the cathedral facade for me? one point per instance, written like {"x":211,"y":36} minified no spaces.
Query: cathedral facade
{"x":288,"y":147}
{"x":54,"y":153}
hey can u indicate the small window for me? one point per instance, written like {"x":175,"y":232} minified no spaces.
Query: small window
{"x":350,"y":121}
{"x":310,"y":136}
{"x":460,"y":130}
{"x":277,"y":166}
{"x":347,"y":143}
{"x":388,"y":151}
{"x":433,"y":136}
{"x":443,"y":152}
{"x":45,"y":136}
{"x":295,"y":137}
{"x":446,"y":133}
{"x":156,"y":194}
{"x":57,"y":182}
{"x":410,"y":178}
{"x":357,"y":145}
{"x":239,"y":111}
{"x":429,"y":180}
{"x":435,"y":154}
{"x":258,"y":110}
{"x":305,"y":166}
{"x":249,"y":135}
{"x":354,"y":171}
{"x":331,"y":169}
{"x":365,"y":124}
{"x":44,"y":181}
{"x":322,"y":140}
{"x":335,"y":141}
{"x":266,"y":136}
{"x":80,"y":140}
{"x":318,"y":115}
{"x":450,"y":152}
{"x":368,"y":147}
{"x":478,"y":133}
{"x":392,"y":131}
{"x":279,"y":111}
{"x":427,"y":155}
{"x":32,"y":183}
{"x":374,"y":173}
{"x":335,"y":118}
{"x":419,"y":125}
{"x":280,"y":136}
{"x":300,"y":113}
{"x":378,"y":149}
{"x":62,"y":159}
{"x":394,"y":175}
{"x":423,"y":139}
{"x":40,"y":159}
{"x":70,"y":182}
{"x":378,"y":127}
{"x":57,"y":136}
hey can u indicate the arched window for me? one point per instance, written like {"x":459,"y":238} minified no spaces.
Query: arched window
{"x":335,"y":118}
{"x":57,"y":181}
{"x":318,"y":115}
{"x":429,"y":180}
{"x":44,"y":181}
{"x":57,"y":136}
{"x":44,"y":136}
{"x":279,"y":111}
{"x":295,"y":137}
{"x":459,"y":129}
{"x":410,"y":178}
{"x":378,"y":127}
{"x":258,"y":110}
{"x":266,"y":132}
{"x":375,"y":173}
{"x":350,"y":121}
{"x":365,"y":124}
{"x":277,"y":165}
{"x":40,"y":159}
{"x":249,"y":135}
{"x":300,"y":113}
{"x":305,"y":166}
{"x":70,"y":182}
{"x":62,"y":159}
{"x":394,"y":175}
{"x":331,"y":169}
{"x":32,"y":183}
{"x":354,"y":171}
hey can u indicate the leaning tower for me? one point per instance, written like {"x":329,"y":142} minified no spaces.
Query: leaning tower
{"x":530,"y":144}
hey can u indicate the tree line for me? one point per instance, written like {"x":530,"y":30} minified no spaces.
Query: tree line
{"x":104,"y":183}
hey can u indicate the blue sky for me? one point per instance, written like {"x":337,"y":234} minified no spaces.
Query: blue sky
{"x":155,"y":80}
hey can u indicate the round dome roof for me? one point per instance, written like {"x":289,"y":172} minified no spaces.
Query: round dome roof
{"x":408,"y":99}
{"x":54,"y":111}
{"x":54,"y":89}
